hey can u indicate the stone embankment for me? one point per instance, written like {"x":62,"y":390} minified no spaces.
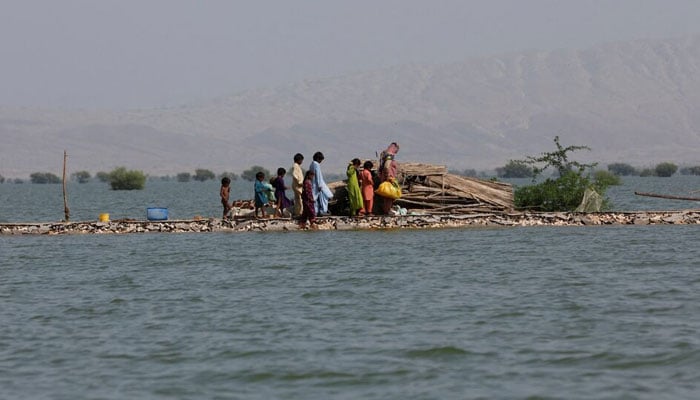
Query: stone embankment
{"x":680,"y":217}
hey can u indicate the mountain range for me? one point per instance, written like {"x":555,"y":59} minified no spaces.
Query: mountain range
{"x":636,"y":102}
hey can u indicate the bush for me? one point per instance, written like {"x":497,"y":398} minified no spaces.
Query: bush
{"x":690,"y":170}
{"x":466,"y":172}
{"x":249,"y":174}
{"x":183,"y":177}
{"x":102,"y":176}
{"x":203,"y":175}
{"x":666,"y":169}
{"x":121,"y":179}
{"x":81,"y":176}
{"x":607,"y":178}
{"x":515,"y":169}
{"x":44,"y":177}
{"x":232,"y":176}
{"x":622,"y":169}
{"x":563,"y":193}
{"x":647,"y":172}
{"x":2,"y":179}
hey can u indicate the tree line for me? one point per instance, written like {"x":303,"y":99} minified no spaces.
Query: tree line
{"x":521,"y":169}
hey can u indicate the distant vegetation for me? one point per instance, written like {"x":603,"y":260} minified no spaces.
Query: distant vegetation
{"x":666,"y":169}
{"x":249,"y":174}
{"x":102,"y":176}
{"x":622,"y":169}
{"x":564,"y":193}
{"x":467,"y":172}
{"x":121,"y":179}
{"x":515,"y":169}
{"x":607,"y":178}
{"x":184,"y":177}
{"x":202,"y":175}
{"x":2,"y":179}
{"x":232,"y":176}
{"x":44,"y":177}
{"x":690,"y":170}
{"x":81,"y":176}
{"x":647,"y":172}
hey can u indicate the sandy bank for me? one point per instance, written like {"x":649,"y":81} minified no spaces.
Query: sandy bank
{"x":680,"y":217}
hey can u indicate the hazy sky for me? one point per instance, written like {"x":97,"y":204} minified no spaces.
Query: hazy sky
{"x":152,"y":53}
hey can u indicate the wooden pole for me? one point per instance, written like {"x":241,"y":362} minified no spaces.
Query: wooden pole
{"x":66,"y":211}
{"x":666,"y":196}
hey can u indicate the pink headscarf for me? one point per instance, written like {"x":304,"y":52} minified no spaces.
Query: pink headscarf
{"x":390,"y":153}
{"x":393,"y":148}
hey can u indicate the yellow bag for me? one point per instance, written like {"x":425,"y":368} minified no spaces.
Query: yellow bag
{"x":390,"y":190}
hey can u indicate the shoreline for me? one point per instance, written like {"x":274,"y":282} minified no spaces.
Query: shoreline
{"x":331,"y":223}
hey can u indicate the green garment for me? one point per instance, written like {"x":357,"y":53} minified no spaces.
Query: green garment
{"x":354,"y":193}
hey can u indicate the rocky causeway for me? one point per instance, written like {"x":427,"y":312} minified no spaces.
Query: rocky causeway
{"x":421,"y":221}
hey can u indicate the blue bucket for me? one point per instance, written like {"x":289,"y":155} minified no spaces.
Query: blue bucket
{"x":156,"y":213}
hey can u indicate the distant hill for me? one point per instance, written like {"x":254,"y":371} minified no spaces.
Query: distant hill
{"x":636,"y":102}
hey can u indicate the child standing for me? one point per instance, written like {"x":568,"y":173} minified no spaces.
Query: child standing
{"x":367,"y":187}
{"x":260,"y":193}
{"x":224,"y":192}
{"x":282,"y":201}
{"x":297,"y":183}
{"x":307,"y":196}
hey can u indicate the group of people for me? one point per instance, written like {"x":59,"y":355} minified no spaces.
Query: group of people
{"x":311,"y":194}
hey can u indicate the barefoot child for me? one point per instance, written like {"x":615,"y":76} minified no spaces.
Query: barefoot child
{"x":224,"y":193}
{"x":261,"y":190}
{"x":280,"y":192}
{"x":307,"y":196}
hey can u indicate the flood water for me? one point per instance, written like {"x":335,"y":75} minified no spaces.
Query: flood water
{"x":604,"y":312}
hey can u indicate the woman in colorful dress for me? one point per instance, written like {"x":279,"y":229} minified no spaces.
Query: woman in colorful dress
{"x":367,"y":184}
{"x":387,"y":171}
{"x":354,"y":193}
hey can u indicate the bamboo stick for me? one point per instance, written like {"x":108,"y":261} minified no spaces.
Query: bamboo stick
{"x":66,"y":211}
{"x":667,"y":196}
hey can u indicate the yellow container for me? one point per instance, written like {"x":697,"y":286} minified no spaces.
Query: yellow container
{"x":104,"y":217}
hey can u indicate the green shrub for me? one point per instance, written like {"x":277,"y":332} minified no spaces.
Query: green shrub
{"x":203,"y":175}
{"x":607,"y":178}
{"x":44,"y":177}
{"x":666,"y":169}
{"x":249,"y":174}
{"x":231,"y":175}
{"x":121,"y":179}
{"x":647,"y":172}
{"x":622,"y":169}
{"x":691,"y":170}
{"x":184,"y":177}
{"x":81,"y":176}
{"x":102,"y":176}
{"x":563,"y":193}
{"x":515,"y":169}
